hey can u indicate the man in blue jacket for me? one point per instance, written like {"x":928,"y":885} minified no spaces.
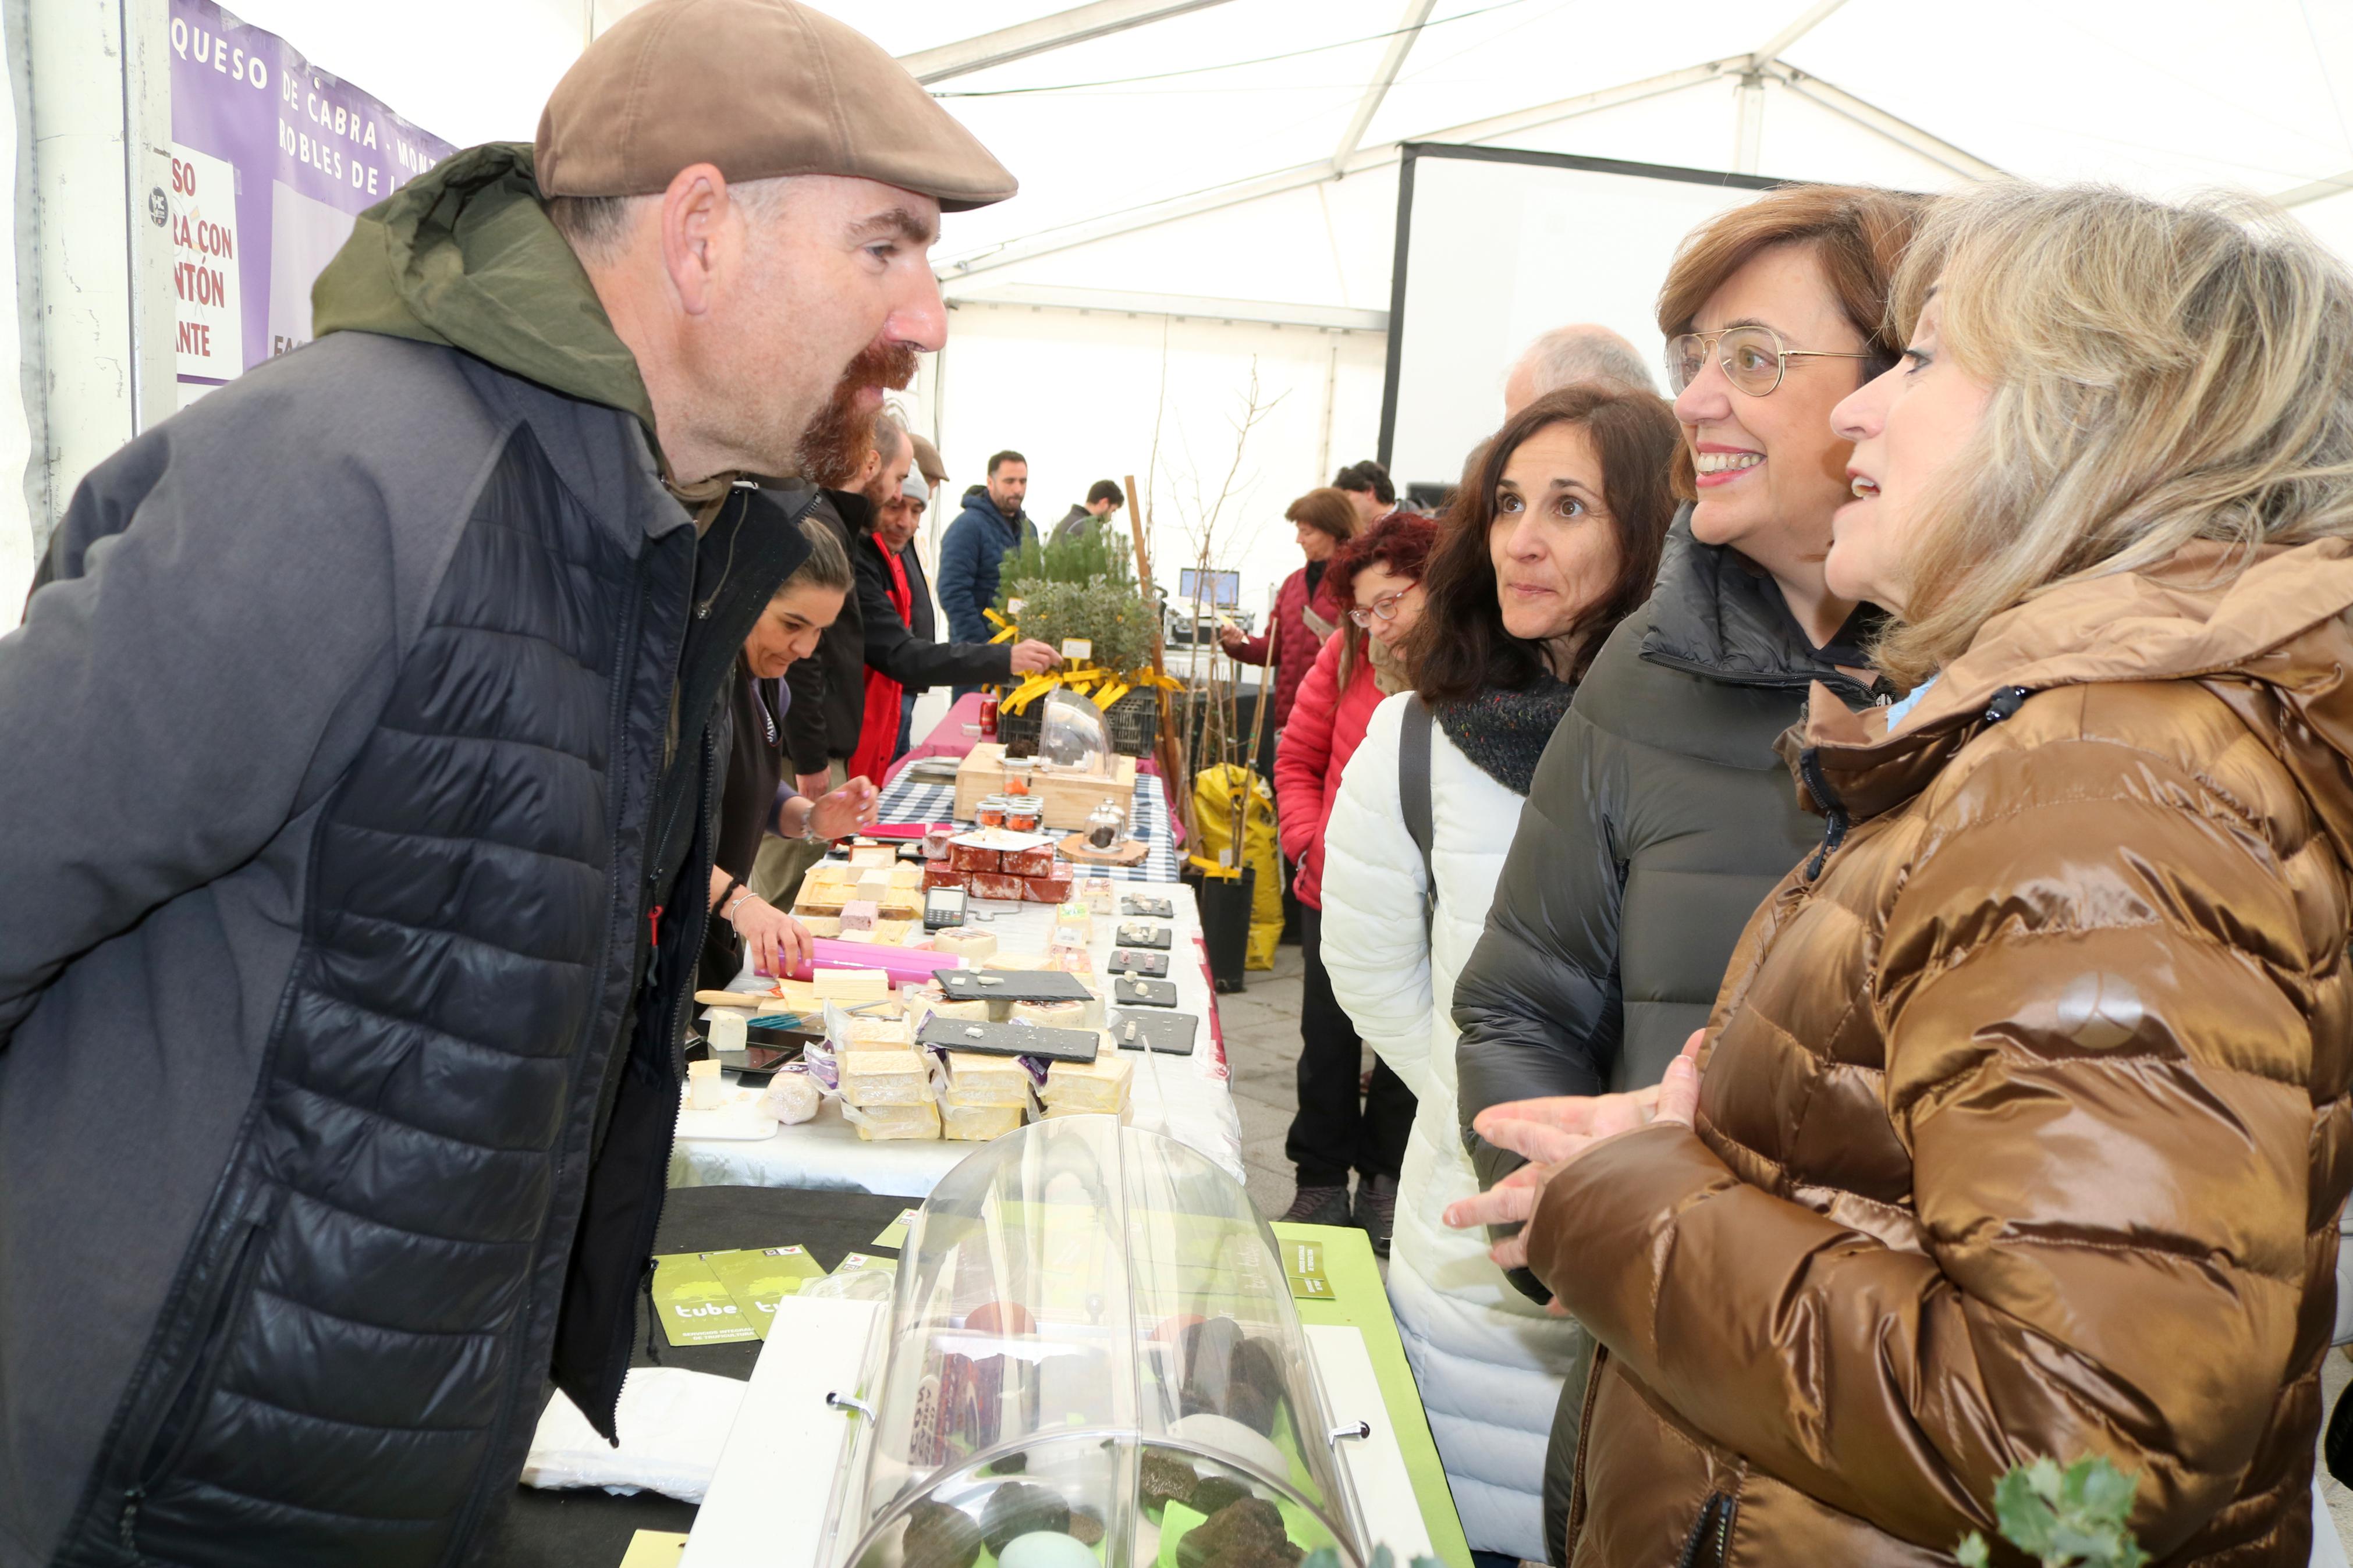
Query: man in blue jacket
{"x":974,"y":549}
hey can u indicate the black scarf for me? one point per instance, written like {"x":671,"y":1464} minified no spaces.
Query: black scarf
{"x":1506,"y":731}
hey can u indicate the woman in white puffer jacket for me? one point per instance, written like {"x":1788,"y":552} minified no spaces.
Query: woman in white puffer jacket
{"x":1556,"y":537}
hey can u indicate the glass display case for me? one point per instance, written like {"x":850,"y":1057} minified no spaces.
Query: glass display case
{"x":1093,"y":1359}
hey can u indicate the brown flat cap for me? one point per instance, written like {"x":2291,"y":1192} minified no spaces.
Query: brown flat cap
{"x":761,"y":89}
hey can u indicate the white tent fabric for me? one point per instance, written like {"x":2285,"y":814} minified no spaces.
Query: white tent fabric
{"x":1216,"y":189}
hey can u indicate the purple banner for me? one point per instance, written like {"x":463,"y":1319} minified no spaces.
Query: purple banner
{"x":271,"y":160}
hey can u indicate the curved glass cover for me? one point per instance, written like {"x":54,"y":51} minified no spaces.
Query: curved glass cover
{"x":1093,"y":1360}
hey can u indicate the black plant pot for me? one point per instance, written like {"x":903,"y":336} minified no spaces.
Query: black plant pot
{"x":1225,"y":923}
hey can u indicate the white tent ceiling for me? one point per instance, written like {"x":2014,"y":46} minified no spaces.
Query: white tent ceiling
{"x":1208,"y":197}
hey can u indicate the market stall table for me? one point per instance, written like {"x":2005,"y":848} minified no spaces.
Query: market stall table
{"x":907,"y":800}
{"x":1189,"y":1098}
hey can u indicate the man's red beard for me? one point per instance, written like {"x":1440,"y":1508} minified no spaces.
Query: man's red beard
{"x":841,"y":435}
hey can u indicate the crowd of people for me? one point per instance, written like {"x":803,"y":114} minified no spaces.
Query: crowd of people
{"x":1845,"y":868}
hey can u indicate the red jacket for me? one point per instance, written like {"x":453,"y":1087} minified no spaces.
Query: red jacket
{"x":1327,"y":723}
{"x":1295,"y":640}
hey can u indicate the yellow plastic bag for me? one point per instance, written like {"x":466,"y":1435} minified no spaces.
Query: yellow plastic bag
{"x":1214,"y":793}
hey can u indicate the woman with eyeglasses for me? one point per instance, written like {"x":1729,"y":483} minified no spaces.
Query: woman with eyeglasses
{"x":1554,"y":536}
{"x":1661,"y":816}
{"x":2020,"y":1127}
{"x":1337,"y":1130}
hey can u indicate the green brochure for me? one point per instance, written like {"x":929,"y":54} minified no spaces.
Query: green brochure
{"x":1303,"y":1265}
{"x":695,"y":1308}
{"x":760,"y":1277}
{"x":895,"y":1232}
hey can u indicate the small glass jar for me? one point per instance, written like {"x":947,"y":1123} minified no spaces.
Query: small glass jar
{"x":1024,"y":812}
{"x":990,"y":811}
{"x":1106,"y":826}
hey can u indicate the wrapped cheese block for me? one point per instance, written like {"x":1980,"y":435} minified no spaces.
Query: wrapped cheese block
{"x":1074,"y":916}
{"x":964,"y":1012}
{"x":1098,"y":1085}
{"x":895,"y":1121}
{"x":884,"y":1077}
{"x":973,"y":857}
{"x":977,"y":1079}
{"x":978,"y":1123}
{"x":995,"y":885}
{"x":865,"y":855}
{"x":966,"y":942}
{"x":1053,"y":889}
{"x":1036,"y":862}
{"x":1086,"y":1014}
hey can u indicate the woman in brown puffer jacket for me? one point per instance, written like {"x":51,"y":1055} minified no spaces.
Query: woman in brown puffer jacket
{"x":2023,"y":1126}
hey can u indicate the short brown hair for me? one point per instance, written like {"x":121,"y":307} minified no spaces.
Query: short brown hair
{"x":1858,"y":232}
{"x":1326,"y":511}
{"x":1460,"y":647}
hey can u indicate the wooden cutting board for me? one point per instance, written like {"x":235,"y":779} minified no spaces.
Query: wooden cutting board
{"x":1129,"y":852}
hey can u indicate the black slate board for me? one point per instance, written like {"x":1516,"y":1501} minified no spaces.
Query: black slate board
{"x":1146,"y":904}
{"x":1154,"y":965}
{"x":1142,"y":933}
{"x":1010,"y":1040}
{"x":1168,"y":1034}
{"x":1012,"y":985}
{"x":1130,"y":991}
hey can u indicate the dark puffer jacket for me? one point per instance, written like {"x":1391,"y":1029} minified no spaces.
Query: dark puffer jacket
{"x":349,"y":790}
{"x":1659,"y":817}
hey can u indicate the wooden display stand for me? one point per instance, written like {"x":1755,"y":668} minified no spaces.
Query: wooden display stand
{"x":1067,"y":797}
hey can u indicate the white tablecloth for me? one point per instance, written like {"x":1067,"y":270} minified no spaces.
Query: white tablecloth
{"x":1187,"y":1097}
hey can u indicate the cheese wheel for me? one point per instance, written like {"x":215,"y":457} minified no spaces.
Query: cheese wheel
{"x":1072,"y":1014}
{"x":966,"y":1012}
{"x":1027,"y":961}
{"x":966,"y":942}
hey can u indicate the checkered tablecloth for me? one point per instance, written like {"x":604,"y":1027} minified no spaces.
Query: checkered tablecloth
{"x":906,"y":800}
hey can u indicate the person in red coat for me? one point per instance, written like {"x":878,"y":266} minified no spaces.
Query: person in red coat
{"x":1305,"y":614}
{"x":1379,"y":576}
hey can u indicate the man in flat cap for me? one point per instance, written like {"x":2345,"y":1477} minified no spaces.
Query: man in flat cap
{"x":359,"y":764}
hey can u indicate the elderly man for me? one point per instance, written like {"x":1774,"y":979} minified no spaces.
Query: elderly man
{"x":896,"y":659}
{"x":1568,"y":355}
{"x":358,"y":756}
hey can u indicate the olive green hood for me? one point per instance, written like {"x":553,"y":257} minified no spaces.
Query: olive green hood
{"x":467,"y":258}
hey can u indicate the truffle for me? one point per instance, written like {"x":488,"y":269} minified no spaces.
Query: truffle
{"x":1018,"y":1508}
{"x":1085,"y":1528}
{"x":1166,"y":1479}
{"x":1216,"y":1492}
{"x":1245,"y":1534}
{"x":939,"y":1536}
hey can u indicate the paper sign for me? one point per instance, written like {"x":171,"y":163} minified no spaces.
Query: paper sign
{"x":206,"y":280}
{"x":1078,"y":650}
{"x":695,"y":1308}
{"x":654,"y":1548}
{"x":1303,"y":1265}
{"x":895,"y":1232}
{"x":760,"y":1277}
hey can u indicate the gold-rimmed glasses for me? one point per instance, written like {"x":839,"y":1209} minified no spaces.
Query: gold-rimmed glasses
{"x":1754,"y":358}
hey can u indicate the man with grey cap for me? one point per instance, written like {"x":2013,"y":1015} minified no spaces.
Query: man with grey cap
{"x":358,"y":753}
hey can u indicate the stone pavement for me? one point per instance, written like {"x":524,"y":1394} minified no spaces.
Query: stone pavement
{"x":1261,"y":1026}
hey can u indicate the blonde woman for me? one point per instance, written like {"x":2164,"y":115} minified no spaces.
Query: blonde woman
{"x":2023,"y":1129}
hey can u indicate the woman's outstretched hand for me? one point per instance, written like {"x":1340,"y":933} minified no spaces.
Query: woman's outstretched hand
{"x":1553,"y":1132}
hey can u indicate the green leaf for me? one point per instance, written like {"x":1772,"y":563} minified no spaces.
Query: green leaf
{"x":1972,"y":1551}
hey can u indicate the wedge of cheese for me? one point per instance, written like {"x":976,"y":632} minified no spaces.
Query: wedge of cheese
{"x":978,"y":1123}
{"x":1100,"y":1085}
{"x":977,"y":1079}
{"x":885,"y":1077}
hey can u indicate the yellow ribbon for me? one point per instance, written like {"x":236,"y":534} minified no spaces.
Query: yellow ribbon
{"x":1006,"y":630}
{"x":1104,"y":686}
{"x":1211,"y":868}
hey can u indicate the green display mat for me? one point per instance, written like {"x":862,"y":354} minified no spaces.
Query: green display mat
{"x":1361,"y":1301}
